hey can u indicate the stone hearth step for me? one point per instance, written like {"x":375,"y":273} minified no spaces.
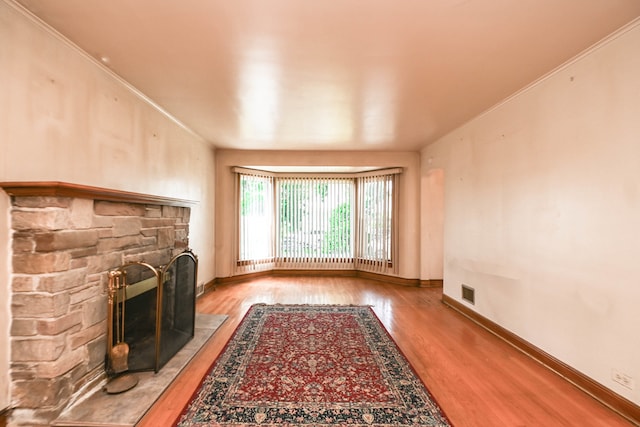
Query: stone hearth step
{"x":100,"y":409}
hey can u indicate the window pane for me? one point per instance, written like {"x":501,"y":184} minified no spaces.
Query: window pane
{"x":376,"y":204}
{"x":256,"y":217}
{"x":314,"y":218}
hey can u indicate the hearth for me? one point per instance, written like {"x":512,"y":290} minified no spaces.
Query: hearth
{"x":152,"y":313}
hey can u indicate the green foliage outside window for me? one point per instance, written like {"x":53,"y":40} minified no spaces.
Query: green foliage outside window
{"x":337,"y":240}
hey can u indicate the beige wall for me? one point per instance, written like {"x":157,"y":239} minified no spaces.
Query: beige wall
{"x":409,"y":195}
{"x":431,"y":224}
{"x":542,"y":212}
{"x":66,"y":118}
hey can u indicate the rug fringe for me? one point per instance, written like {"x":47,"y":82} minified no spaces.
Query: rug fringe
{"x":310,"y":305}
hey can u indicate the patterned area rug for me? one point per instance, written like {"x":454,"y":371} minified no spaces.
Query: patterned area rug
{"x":308,"y":365}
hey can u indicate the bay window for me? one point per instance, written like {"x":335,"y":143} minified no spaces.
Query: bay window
{"x":327,"y":221}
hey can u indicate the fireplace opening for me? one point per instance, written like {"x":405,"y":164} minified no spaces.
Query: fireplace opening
{"x":152,"y":312}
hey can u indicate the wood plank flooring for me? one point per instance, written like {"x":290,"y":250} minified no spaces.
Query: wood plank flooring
{"x":477,"y":379}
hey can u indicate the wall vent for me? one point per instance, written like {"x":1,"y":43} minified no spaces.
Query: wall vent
{"x":468,"y":294}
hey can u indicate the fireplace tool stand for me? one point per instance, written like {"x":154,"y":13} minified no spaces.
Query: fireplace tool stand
{"x":117,"y":349}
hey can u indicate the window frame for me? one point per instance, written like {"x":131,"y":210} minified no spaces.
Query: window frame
{"x":357,"y":261}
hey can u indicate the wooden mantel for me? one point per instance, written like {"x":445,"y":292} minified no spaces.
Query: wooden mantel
{"x":65,"y":189}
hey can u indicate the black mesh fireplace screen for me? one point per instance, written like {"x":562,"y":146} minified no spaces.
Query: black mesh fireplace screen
{"x":153,"y":311}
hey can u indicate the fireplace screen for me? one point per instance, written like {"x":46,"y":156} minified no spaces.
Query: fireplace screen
{"x":151,"y":313}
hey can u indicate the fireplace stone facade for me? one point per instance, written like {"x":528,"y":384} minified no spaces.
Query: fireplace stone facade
{"x":62,"y":250}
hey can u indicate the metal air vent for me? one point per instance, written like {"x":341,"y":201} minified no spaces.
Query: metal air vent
{"x":468,"y":294}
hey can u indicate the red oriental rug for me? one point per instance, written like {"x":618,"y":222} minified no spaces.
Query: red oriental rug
{"x":308,"y":365}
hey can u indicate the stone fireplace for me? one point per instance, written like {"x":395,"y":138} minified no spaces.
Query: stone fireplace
{"x":65,"y":240}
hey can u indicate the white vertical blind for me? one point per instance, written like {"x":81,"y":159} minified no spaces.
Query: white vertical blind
{"x":377,"y":224}
{"x":313,"y":218}
{"x":255,"y":221}
{"x":317,"y":222}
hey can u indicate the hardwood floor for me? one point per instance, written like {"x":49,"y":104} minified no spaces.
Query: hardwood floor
{"x":477,"y":379}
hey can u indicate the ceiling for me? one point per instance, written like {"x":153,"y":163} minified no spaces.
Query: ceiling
{"x":331,"y":74}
